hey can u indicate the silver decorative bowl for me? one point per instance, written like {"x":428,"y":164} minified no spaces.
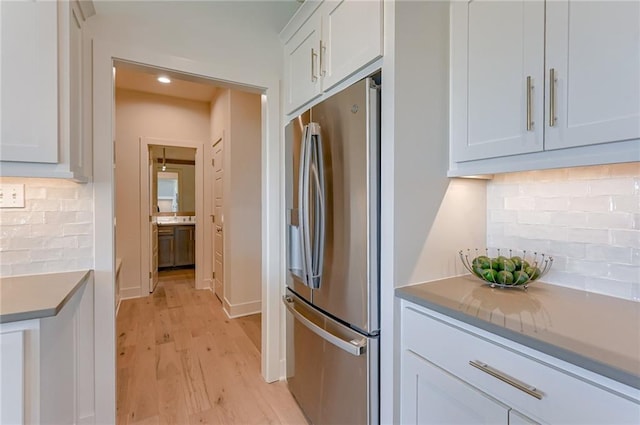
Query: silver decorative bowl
{"x":506,"y":268}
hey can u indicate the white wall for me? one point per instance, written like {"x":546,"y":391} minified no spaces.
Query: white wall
{"x":145,"y":115}
{"x":587,"y":218}
{"x":426,"y":217}
{"x":237,"y":115}
{"x":244,"y":208}
{"x":53,"y":233}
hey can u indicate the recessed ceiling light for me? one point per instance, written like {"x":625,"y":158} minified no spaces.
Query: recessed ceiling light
{"x":164,"y":80}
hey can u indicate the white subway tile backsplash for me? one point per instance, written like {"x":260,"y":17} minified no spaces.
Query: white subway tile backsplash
{"x":609,"y":253}
{"x":16,"y":244}
{"x":517,"y":203}
{"x":16,"y":217}
{"x":630,"y":204}
{"x":502,"y":216}
{"x":43,"y":205}
{"x":587,"y":218}
{"x":568,"y":218}
{"x":77,"y":229}
{"x":608,"y":187}
{"x":534,"y":217}
{"x":596,"y":236}
{"x":613,"y":220}
{"x":567,"y":249}
{"x":53,"y":233}
{"x":629,"y":238}
{"x":552,"y":204}
{"x":591,"y":204}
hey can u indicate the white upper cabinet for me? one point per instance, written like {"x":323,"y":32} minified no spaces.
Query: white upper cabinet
{"x":45,"y":126}
{"x":529,"y":78}
{"x":29,"y":85}
{"x":335,"y":40}
{"x":497,"y":78}
{"x":302,"y":72}
{"x":593,"y":49}
{"x":351,"y":38}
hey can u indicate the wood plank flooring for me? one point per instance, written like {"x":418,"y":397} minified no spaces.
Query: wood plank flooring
{"x":180,"y":360}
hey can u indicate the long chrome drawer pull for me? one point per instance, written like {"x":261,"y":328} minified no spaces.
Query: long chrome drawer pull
{"x":355,"y":347}
{"x":553,"y":78}
{"x":532,"y":391}
{"x":529,"y":104}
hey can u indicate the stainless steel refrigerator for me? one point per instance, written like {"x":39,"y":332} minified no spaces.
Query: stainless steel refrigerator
{"x":332,"y":296}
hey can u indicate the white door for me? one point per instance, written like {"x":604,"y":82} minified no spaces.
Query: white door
{"x":218,"y":234}
{"x":302,"y":73}
{"x":153,"y":226}
{"x":593,"y":47}
{"x":497,"y":82}
{"x":430,"y":395}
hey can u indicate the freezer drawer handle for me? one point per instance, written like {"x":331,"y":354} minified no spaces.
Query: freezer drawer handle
{"x":355,"y":347}
{"x":531,"y":390}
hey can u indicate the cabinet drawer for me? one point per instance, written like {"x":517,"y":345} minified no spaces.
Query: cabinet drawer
{"x":566,"y":399}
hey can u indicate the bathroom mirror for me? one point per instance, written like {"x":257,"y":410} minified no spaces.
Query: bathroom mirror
{"x":173,"y":180}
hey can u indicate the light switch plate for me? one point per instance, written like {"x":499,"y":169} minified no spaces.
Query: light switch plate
{"x":11,"y":195}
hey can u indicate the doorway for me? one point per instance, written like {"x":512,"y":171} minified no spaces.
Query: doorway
{"x":172,"y":205}
{"x":105,"y":57}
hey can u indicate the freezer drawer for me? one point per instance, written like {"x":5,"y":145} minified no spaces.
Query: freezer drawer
{"x":332,"y":371}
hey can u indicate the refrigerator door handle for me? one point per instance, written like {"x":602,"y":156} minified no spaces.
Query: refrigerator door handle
{"x":354,"y":347}
{"x":316,"y":175}
{"x":303,"y":196}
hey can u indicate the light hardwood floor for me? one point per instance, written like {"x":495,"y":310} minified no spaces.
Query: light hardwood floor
{"x":180,"y":360}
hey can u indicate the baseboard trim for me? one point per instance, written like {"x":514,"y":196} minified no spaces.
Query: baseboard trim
{"x":239,"y":310}
{"x":126,"y":293}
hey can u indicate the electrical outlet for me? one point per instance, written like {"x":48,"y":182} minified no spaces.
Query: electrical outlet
{"x":11,"y":195}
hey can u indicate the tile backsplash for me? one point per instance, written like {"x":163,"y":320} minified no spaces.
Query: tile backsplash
{"x":587,"y":218}
{"x":53,"y":233}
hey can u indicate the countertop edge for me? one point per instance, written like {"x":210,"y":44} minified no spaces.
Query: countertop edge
{"x":544,"y":347}
{"x":46,"y":312}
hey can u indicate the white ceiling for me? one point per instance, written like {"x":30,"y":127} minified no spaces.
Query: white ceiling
{"x":146,"y":81}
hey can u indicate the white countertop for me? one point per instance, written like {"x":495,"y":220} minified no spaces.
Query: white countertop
{"x":38,"y":296}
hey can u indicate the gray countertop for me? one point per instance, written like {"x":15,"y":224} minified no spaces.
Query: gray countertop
{"x":37,"y":296}
{"x":595,"y":332}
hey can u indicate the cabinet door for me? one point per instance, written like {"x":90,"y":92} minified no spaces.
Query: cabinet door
{"x":594,"y":49}
{"x":497,"y":56}
{"x":184,"y":243}
{"x":29,"y":81}
{"x":430,"y":395}
{"x":349,"y":42}
{"x":517,"y":418}
{"x":79,"y":146}
{"x":165,"y":250}
{"x":302,"y":73}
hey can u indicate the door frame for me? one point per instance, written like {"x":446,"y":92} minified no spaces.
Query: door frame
{"x":145,"y":180}
{"x":105,"y":55}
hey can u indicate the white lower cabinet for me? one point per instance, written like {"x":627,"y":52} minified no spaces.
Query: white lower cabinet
{"x":47,"y":366}
{"x":453,"y":374}
{"x":431,"y":395}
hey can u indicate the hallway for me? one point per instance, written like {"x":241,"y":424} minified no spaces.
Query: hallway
{"x":180,"y":360}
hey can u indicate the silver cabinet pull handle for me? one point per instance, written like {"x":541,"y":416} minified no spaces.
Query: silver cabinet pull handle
{"x":529,"y":103}
{"x":314,"y":55}
{"x":552,"y":97}
{"x":323,"y":52}
{"x":531,"y":390}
